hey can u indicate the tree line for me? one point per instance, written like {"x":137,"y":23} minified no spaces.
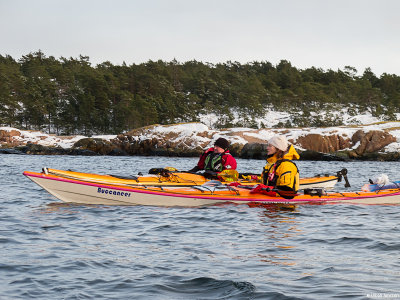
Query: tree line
{"x":70,"y":96}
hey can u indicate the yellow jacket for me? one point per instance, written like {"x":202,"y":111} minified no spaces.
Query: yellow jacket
{"x":283,"y":173}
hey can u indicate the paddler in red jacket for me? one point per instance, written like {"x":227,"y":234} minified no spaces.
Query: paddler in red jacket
{"x":216,"y":159}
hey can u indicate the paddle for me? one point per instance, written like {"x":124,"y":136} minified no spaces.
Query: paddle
{"x":228,"y":175}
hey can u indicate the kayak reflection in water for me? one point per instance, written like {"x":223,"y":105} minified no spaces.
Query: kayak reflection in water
{"x":216,"y":159}
{"x":280,"y":175}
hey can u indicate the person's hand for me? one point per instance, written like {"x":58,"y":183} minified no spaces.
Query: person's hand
{"x":258,"y":188}
{"x":263,"y":189}
{"x":254,"y":177}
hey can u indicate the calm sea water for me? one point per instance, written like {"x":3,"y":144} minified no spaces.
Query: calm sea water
{"x":51,"y":250}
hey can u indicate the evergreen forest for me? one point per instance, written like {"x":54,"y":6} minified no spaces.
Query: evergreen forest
{"x":69,"y":96}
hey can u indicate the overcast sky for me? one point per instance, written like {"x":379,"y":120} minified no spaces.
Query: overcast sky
{"x":320,"y":33}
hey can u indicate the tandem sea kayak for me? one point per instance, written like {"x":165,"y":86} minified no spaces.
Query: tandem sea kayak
{"x":74,"y":190}
{"x":164,"y":177}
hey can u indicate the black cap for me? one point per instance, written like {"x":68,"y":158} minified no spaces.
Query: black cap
{"x":223,"y":143}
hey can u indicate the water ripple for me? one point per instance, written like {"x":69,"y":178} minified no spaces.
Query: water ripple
{"x":207,"y":288}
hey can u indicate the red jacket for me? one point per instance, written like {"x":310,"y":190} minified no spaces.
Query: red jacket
{"x":228,"y":161}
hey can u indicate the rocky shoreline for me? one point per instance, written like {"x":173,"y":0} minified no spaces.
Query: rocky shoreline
{"x":255,"y":153}
{"x":190,"y":141}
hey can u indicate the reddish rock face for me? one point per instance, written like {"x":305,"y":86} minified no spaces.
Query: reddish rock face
{"x":325,"y":144}
{"x":7,"y":137}
{"x":8,"y":134}
{"x":371,"y":141}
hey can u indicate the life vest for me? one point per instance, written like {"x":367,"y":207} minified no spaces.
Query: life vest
{"x":213,"y":162}
{"x":270,"y":177}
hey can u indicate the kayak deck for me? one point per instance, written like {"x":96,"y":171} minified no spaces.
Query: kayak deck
{"x":176,"y":179}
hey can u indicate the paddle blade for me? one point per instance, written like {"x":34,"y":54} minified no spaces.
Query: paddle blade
{"x":229,"y":175}
{"x":171,"y":169}
{"x":165,"y":172}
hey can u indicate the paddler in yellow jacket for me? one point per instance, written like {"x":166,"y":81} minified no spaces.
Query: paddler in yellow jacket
{"x":280,"y":172}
